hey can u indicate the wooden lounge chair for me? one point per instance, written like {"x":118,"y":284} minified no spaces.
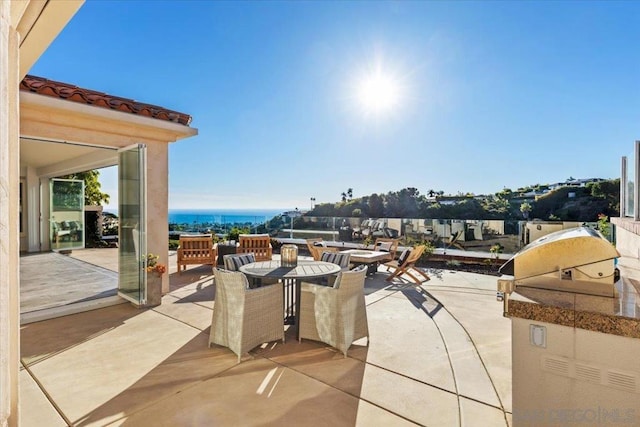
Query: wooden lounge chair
{"x":258,"y":244}
{"x":384,"y":244}
{"x":316,"y":248}
{"x":454,"y":240}
{"x":195,"y":250}
{"x":406,"y":263}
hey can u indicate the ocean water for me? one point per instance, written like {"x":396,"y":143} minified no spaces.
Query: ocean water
{"x":199,"y":218}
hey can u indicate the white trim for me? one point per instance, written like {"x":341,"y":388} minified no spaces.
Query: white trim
{"x":181,"y":131}
{"x":90,"y":161}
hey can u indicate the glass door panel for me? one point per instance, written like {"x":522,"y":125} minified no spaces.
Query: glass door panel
{"x":67,"y":214}
{"x":132,"y":236}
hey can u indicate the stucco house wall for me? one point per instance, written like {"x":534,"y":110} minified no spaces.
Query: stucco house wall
{"x":27,"y":28}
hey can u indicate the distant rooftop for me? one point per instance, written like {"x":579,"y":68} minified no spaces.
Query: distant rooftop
{"x":73,"y":93}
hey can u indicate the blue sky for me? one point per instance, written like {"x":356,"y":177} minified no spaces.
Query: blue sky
{"x":481,"y":95}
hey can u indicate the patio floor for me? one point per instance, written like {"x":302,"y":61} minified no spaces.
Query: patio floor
{"x":440,"y":354}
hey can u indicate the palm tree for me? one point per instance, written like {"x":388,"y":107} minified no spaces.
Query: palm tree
{"x":350,"y":193}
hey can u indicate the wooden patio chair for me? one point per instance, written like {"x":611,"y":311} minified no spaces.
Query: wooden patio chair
{"x":258,"y":244}
{"x":316,"y":248}
{"x":454,"y":240}
{"x":406,"y":262}
{"x":385,"y":244}
{"x":195,"y":250}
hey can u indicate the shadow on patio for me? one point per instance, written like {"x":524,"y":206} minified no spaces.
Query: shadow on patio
{"x":436,"y":357}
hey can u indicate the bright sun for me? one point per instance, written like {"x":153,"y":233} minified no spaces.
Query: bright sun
{"x":378,"y":93}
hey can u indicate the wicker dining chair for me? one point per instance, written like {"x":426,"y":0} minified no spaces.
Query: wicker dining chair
{"x":335,"y":315}
{"x":244,"y":318}
{"x":233,"y":262}
{"x":338,"y":258}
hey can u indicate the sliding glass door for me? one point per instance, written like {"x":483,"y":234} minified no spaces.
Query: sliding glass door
{"x":66,"y":228}
{"x":132,"y":235}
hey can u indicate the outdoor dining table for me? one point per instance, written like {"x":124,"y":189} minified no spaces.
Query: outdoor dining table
{"x":291,"y":276}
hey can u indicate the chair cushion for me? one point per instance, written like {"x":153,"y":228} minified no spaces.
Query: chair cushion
{"x":383,"y":246}
{"x":234,"y":262}
{"x":403,"y":256}
{"x":336,"y":258}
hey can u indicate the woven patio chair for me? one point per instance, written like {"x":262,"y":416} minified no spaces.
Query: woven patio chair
{"x":244,"y":318}
{"x":338,"y":258}
{"x":233,"y":262}
{"x":335,"y":315}
{"x":406,"y":262}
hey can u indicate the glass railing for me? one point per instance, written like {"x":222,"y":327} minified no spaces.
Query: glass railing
{"x":216,"y":224}
{"x":629,"y":205}
{"x":462,"y":234}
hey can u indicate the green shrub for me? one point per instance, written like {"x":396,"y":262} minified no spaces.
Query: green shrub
{"x":235,"y":232}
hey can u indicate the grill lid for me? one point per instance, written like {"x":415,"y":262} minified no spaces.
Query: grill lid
{"x":575,"y":260}
{"x":561,"y":250}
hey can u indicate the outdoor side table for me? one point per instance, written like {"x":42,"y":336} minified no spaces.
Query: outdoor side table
{"x":370,"y":258}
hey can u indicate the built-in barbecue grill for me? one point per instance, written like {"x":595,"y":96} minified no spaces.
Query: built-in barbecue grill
{"x":575,"y":260}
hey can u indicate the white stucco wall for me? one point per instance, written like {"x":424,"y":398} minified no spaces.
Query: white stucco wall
{"x":9,"y":226}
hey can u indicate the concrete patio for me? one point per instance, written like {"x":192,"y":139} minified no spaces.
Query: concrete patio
{"x":439,"y":355}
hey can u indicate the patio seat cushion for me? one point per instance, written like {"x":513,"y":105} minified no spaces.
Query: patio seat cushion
{"x":383,"y":246}
{"x":233,"y":262}
{"x":336,"y":258}
{"x":403,"y":256}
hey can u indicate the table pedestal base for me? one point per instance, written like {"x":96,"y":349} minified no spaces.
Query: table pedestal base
{"x":291,"y":289}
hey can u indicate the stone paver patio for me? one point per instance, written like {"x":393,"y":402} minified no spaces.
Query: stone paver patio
{"x":439,"y":355}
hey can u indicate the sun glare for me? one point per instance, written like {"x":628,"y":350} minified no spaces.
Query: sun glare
{"x":378,"y":93}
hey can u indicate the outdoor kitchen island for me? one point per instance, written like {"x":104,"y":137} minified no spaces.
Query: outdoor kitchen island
{"x":575,"y":354}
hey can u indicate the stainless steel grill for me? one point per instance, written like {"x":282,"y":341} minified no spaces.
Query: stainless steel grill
{"x":577,"y":260}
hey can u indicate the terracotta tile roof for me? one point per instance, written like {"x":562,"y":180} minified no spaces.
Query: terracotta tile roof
{"x":69,"y":92}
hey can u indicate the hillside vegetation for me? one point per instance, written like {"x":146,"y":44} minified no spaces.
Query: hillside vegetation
{"x":568,"y":203}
